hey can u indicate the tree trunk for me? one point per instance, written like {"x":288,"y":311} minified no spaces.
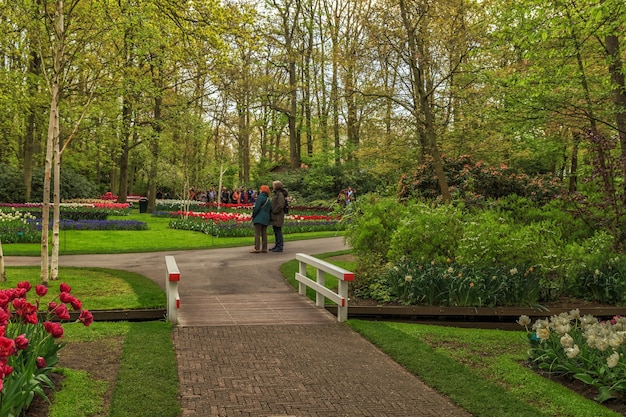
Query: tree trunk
{"x":573,"y":174}
{"x":30,"y":135}
{"x":3,"y":275}
{"x":619,"y":91}
{"x":122,"y":189}
{"x":52,"y":151}
{"x":423,"y":111}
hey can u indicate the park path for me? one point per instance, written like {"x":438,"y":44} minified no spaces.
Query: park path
{"x":247,"y":345}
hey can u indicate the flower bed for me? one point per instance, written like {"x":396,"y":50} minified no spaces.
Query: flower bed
{"x":18,"y":226}
{"x":66,"y":224}
{"x":584,"y":348}
{"x":29,"y":347}
{"x":238,"y":224}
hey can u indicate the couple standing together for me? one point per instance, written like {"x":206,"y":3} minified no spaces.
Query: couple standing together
{"x":269,"y":212}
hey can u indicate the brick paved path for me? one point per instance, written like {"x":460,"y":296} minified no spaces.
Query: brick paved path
{"x":295,"y":370}
{"x":248,"y":345}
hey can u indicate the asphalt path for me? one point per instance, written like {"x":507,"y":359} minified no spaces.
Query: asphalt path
{"x":217,"y":286}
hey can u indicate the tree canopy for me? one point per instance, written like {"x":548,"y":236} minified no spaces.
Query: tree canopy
{"x":164,"y":94}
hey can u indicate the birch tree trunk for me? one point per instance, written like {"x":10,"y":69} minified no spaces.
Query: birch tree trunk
{"x":52,"y":150}
{"x":3,"y":275}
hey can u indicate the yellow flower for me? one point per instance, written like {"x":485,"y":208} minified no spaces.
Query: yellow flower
{"x":543,"y":333}
{"x":471,"y":283}
{"x":408,"y":278}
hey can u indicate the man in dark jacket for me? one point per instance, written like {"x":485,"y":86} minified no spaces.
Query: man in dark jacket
{"x":277,"y":218}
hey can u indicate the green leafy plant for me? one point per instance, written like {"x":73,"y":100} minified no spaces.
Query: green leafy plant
{"x":450,"y":284}
{"x":427,"y":232}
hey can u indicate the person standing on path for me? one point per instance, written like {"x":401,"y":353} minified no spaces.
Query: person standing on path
{"x":261,"y":219}
{"x":278,"y":215}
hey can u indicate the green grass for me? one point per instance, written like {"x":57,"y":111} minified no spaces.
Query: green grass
{"x":158,"y":237}
{"x":149,"y":361}
{"x":80,"y":395}
{"x":97,"y":288}
{"x":147,"y":382}
{"x":480,"y":370}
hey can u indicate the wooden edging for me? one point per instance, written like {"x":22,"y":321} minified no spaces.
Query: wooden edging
{"x":476,"y":312}
{"x":124,"y":315}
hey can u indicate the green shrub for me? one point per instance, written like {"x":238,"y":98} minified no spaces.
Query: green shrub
{"x":12,"y":185}
{"x":427,"y":233}
{"x":592,"y":270}
{"x":489,"y":238}
{"x":522,"y":210}
{"x":73,"y":185}
{"x":370,"y":224}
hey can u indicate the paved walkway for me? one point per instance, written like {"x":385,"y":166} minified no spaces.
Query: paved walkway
{"x":248,"y":345}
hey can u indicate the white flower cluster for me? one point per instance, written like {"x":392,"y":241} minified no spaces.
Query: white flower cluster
{"x":14,"y":215}
{"x":600,"y":335}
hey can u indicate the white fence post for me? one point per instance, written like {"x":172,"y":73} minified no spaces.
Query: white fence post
{"x":172,"y":278}
{"x":322,"y":268}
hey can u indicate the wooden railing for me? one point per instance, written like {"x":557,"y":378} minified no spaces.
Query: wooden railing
{"x":172,"y":278}
{"x":322,"y":268}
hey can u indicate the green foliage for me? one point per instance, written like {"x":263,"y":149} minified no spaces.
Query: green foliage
{"x":524,"y":211}
{"x":489,"y":238}
{"x":370,"y":231}
{"x":321,"y":180}
{"x":12,"y":188}
{"x":592,"y":270}
{"x":432,"y":283}
{"x":72,"y":213}
{"x":73,"y":185}
{"x":372,"y":223}
{"x":394,"y":241}
{"x":426,"y":232}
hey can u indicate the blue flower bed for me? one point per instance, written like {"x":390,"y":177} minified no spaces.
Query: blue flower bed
{"x":66,"y":224}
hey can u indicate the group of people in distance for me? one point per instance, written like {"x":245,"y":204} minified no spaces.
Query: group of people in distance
{"x":346,"y":196}
{"x":269,"y":209}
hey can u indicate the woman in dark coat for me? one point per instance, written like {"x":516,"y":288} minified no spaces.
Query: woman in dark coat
{"x":261,"y":219}
{"x":278,"y":215}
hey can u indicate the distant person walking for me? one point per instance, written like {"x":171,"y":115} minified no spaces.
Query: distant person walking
{"x":278,"y":215}
{"x":261,"y":219}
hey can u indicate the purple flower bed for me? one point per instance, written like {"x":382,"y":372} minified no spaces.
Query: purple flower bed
{"x":96,"y":224}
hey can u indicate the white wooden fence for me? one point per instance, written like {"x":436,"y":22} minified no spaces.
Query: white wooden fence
{"x":172,"y":278}
{"x":322,"y":268}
